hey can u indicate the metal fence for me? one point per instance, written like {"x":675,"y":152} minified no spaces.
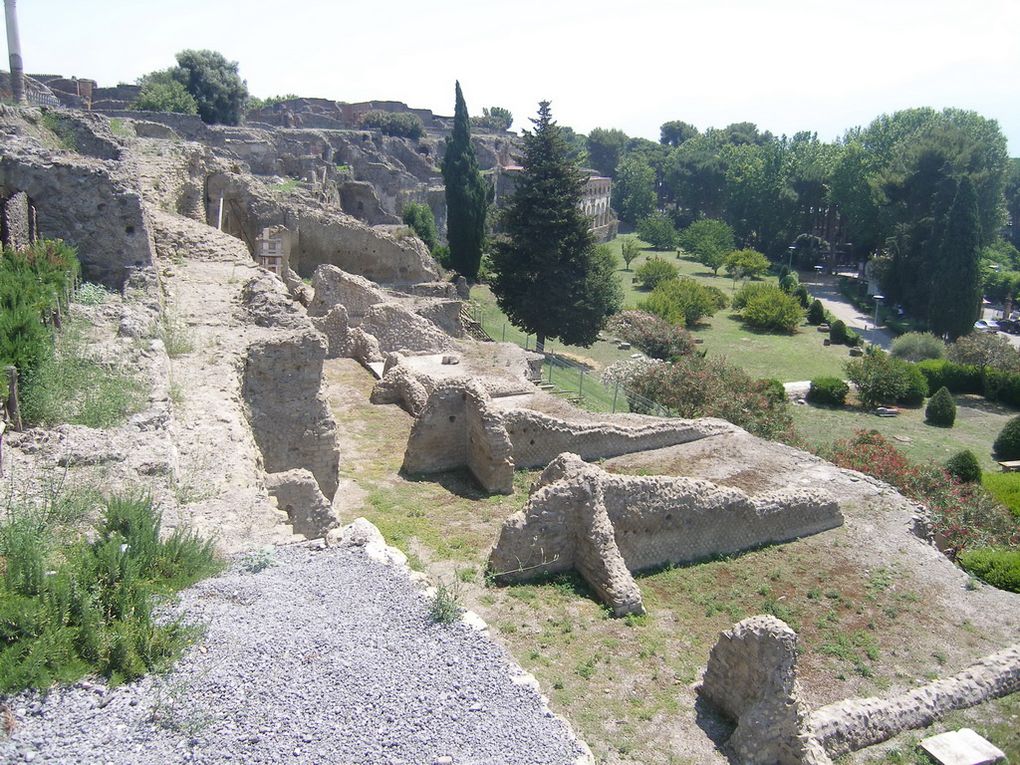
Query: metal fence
{"x":562,"y":376}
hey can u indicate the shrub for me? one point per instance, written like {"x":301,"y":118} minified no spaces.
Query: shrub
{"x":420,"y":218}
{"x":816,"y":313}
{"x":654,"y":271}
{"x":1005,"y":487}
{"x":882,"y":379}
{"x":985,"y":350}
{"x":999,"y":567}
{"x":68,"y":608}
{"x":789,"y":282}
{"x":1001,"y":386}
{"x":658,"y":230}
{"x":694,"y":386}
{"x":161,"y":92}
{"x":918,"y":346}
{"x":941,"y":409}
{"x":400,"y":124}
{"x":683,"y":300}
{"x":746,"y":264}
{"x":964,"y":467}
{"x":837,"y":332}
{"x":958,"y":378}
{"x":774,"y":310}
{"x":658,"y":338}
{"x":1007,"y":443}
{"x":802,"y":295}
{"x":752,"y":290}
{"x":828,"y":390}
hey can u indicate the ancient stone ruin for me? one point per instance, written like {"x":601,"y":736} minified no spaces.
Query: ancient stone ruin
{"x":606,"y":526}
{"x":751,"y":678}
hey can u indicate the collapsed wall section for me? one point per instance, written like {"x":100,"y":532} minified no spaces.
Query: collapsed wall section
{"x":606,"y":526}
{"x":289,"y":416}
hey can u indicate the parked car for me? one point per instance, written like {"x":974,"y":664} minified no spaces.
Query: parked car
{"x":1009,"y":325}
{"x":986,"y":326}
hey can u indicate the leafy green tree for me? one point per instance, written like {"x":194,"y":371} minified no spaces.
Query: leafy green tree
{"x":400,"y":124}
{"x":1012,"y":190}
{"x":421,"y":220}
{"x":629,"y":250}
{"x":709,"y":241}
{"x":605,"y":148}
{"x":548,"y":276}
{"x":741,"y":264}
{"x":161,"y":92}
{"x":675,"y":132}
{"x":683,"y":300}
{"x":467,"y":198}
{"x":956,"y":279}
{"x":634,"y":189}
{"x":215,"y":85}
{"x":658,"y":230}
{"x":494,"y":118}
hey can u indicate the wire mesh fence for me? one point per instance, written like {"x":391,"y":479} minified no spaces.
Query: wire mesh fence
{"x":562,"y":376}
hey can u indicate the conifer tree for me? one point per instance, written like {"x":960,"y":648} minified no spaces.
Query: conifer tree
{"x":548,"y":275}
{"x":467,"y":197}
{"x":954,"y":305}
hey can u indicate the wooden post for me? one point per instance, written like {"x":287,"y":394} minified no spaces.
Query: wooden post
{"x":13,"y":411}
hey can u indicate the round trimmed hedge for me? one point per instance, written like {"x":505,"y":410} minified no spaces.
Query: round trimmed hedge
{"x":941,"y":409}
{"x":1007,"y":444}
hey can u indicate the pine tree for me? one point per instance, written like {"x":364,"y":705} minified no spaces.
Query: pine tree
{"x":549,"y":277}
{"x":954,"y":304}
{"x":467,"y":197}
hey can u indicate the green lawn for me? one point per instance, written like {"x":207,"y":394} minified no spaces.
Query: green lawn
{"x":800,"y":356}
{"x":978,"y":422}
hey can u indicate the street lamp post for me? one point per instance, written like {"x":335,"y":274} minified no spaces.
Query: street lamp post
{"x":789,"y":263}
{"x":878,"y":299}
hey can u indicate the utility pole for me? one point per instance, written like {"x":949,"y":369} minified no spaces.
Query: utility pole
{"x":14,"y":49}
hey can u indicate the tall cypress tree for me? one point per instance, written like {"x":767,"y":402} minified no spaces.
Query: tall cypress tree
{"x":550,"y":278}
{"x":954,"y":304}
{"x":467,"y":197}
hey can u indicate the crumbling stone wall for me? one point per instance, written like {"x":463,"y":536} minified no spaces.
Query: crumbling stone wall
{"x":751,"y":678}
{"x":853,"y":724}
{"x":81,"y":201}
{"x":297,"y":493}
{"x":289,"y":416}
{"x":606,"y":526}
{"x":18,"y":222}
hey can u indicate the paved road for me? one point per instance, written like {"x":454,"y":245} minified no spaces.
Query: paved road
{"x":826,"y":288}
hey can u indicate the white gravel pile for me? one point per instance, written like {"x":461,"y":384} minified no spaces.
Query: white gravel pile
{"x":326,"y":656}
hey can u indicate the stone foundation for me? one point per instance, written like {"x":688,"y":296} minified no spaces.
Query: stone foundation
{"x":297,"y":493}
{"x":606,"y":526}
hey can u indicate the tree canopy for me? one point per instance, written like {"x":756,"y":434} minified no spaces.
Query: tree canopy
{"x":214,"y":83}
{"x":549,"y":277}
{"x":467,"y":196}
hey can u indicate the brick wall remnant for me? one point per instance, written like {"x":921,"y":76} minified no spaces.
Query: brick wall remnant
{"x":607,"y":526}
{"x":297,"y":493}
{"x":16,"y":231}
{"x":751,"y":678}
{"x":289,"y":416}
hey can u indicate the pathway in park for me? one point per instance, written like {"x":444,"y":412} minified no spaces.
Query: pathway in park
{"x":826,"y":288}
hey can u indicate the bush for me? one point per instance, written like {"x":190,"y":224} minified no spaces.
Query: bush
{"x":789,"y":283}
{"x":985,"y":350}
{"x":683,"y":300}
{"x":882,"y":379}
{"x":400,"y":124}
{"x":1005,"y":487}
{"x":816,"y":313}
{"x":1007,"y":443}
{"x":742,"y":264}
{"x":828,"y":390}
{"x":999,"y":567}
{"x":958,"y":378}
{"x":772,"y":309}
{"x":161,"y":92}
{"x":654,"y":271}
{"x":1001,"y":386}
{"x":918,"y":346}
{"x":420,"y":218}
{"x":694,"y":386}
{"x":802,"y":295}
{"x":658,"y":230}
{"x":837,"y":332}
{"x":68,"y":608}
{"x":941,"y":409}
{"x":964,"y":467}
{"x":750,"y":291}
{"x":658,"y":338}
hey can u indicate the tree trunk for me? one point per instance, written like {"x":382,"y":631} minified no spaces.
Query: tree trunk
{"x":540,"y":342}
{"x":14,"y":49}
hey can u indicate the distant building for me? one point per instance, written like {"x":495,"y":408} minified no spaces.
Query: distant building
{"x":272,"y":249}
{"x":596,"y":199}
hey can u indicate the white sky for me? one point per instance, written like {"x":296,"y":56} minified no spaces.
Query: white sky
{"x":787,"y":65}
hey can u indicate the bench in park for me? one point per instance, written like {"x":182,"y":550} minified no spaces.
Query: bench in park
{"x":1010,"y":466}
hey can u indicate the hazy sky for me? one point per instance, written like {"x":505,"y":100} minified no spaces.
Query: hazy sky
{"x":788,"y":65}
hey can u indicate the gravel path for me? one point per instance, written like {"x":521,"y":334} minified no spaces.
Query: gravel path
{"x":327,"y":656}
{"x":826,"y":288}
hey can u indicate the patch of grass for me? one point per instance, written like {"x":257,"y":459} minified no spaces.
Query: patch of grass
{"x":1005,"y":487}
{"x":120,"y":128}
{"x":176,"y":335}
{"x":70,"y":386}
{"x":71,"y":607}
{"x":62,"y":132}
{"x":91,"y":294}
{"x":285,"y":187}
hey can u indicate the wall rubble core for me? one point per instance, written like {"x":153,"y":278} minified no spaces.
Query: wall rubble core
{"x":607,"y":526}
{"x":751,"y":678}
